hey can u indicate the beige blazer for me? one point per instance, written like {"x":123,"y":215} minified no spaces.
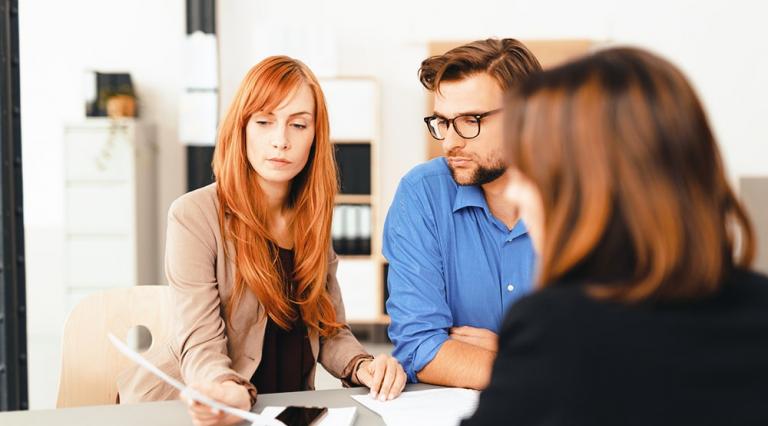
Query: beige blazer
{"x":201,"y":348}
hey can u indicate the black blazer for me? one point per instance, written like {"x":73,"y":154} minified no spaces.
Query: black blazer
{"x":566,"y":359}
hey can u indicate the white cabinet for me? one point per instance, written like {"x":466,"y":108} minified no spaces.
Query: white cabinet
{"x":360,"y":289}
{"x":353,"y":113}
{"x":110,"y":206}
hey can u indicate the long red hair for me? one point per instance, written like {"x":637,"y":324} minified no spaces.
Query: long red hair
{"x":242,"y":212}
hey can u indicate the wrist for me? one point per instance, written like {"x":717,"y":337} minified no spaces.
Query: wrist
{"x":358,"y":365}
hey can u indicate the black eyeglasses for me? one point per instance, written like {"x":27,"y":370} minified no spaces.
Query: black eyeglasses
{"x":467,"y":125}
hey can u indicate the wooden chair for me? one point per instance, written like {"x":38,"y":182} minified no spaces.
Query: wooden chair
{"x":90,"y":363}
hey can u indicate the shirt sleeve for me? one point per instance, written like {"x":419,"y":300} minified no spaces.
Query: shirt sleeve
{"x":417,"y":304}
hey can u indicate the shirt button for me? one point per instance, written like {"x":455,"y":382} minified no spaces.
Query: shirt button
{"x":510,"y":287}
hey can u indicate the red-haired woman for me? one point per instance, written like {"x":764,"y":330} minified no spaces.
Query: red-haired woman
{"x":249,"y":259}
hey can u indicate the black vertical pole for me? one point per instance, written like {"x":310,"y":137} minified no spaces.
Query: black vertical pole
{"x":13,"y":317}
{"x":201,"y":16}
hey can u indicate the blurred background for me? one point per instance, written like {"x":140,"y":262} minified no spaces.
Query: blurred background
{"x":97,"y":188}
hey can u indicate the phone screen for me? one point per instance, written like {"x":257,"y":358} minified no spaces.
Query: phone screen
{"x":301,"y":416}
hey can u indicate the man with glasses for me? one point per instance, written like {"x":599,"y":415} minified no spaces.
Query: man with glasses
{"x":458,"y":253}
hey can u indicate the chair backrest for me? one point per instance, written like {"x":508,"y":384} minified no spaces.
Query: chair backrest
{"x":90,"y":363}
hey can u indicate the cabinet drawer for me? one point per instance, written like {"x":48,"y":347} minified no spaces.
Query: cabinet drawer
{"x":100,"y":262}
{"x":98,"y":155}
{"x":99,"y":209}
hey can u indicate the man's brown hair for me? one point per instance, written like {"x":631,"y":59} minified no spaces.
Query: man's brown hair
{"x":635,"y":196}
{"x":507,"y":60}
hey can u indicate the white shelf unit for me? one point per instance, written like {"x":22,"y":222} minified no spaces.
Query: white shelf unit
{"x":353,"y":109}
{"x":110,"y":206}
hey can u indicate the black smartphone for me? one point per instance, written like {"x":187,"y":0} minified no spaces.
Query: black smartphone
{"x":301,"y":416}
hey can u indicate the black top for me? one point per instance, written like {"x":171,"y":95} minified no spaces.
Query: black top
{"x":566,"y":359}
{"x":286,"y":355}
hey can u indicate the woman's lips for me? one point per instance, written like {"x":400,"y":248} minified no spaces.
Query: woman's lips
{"x":278,"y":162}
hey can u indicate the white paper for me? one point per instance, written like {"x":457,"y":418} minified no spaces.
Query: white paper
{"x":192,"y":394}
{"x":335,"y":416}
{"x":446,"y":406}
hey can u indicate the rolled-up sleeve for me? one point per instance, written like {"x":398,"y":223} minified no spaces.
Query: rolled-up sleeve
{"x":417,"y":304}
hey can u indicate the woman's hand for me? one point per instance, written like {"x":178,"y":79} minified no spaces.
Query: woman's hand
{"x":227,"y":392}
{"x":383,"y":375}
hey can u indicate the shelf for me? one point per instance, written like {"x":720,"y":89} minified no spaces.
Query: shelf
{"x":382,"y":319}
{"x":356,"y":257}
{"x":353,"y":199}
{"x":350,"y":142}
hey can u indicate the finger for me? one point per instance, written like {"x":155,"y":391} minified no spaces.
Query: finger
{"x":389,"y":378}
{"x":378,"y":375}
{"x":399,"y":385}
{"x":230,"y":420}
{"x":465,"y":331}
{"x":211,"y":422}
{"x":204,"y":418}
{"x":197,"y":406}
{"x":488,"y":334}
{"x":203,"y":413}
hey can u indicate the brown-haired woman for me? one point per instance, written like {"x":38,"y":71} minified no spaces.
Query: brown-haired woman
{"x":249,"y":259}
{"x":646,"y":311}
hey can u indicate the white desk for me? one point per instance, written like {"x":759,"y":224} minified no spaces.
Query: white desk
{"x":175,"y":412}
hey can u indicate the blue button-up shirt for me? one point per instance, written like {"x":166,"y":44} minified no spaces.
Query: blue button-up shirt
{"x":451,"y":263}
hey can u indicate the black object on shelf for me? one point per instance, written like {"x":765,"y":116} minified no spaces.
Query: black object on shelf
{"x":351,"y":229}
{"x":199,"y":168}
{"x":354,"y":163}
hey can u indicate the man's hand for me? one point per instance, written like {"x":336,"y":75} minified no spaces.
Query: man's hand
{"x":479,"y":337}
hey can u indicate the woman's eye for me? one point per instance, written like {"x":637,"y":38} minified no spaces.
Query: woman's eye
{"x":299,"y":126}
{"x":262,"y":122}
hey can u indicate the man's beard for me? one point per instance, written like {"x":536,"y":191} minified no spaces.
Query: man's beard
{"x":482,"y":174}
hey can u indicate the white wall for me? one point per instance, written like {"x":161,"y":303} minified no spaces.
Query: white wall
{"x":58,"y":41}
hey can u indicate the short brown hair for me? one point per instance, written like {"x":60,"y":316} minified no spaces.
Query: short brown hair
{"x":506,"y":60}
{"x":635,"y":197}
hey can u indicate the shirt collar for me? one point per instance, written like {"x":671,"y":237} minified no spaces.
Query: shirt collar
{"x":473,"y":196}
{"x":469,"y":196}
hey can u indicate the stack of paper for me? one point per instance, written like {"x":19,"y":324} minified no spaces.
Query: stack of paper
{"x":429,"y":407}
